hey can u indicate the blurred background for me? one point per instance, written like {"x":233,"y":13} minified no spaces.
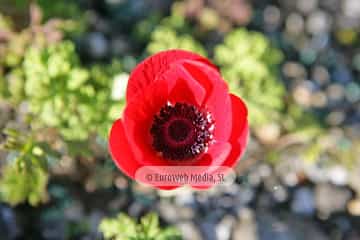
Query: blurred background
{"x":64,"y":66}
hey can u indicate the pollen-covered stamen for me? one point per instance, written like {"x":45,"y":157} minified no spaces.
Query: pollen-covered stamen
{"x":181,"y":131}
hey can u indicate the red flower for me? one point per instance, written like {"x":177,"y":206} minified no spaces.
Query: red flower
{"x":179,"y":113}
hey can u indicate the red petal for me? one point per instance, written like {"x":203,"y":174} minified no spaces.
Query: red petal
{"x":147,"y":71}
{"x":240,"y":131}
{"x":238,"y":138}
{"x":186,"y":89}
{"x":122,"y":155}
{"x":216,"y":154}
{"x":138,"y":117}
{"x":213,"y":158}
{"x":217,"y":100}
{"x":120,"y":150}
{"x":166,"y":187}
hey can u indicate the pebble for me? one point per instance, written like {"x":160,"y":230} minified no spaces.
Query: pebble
{"x":318,"y":22}
{"x":168,"y":211}
{"x":268,"y":133}
{"x":246,"y":227}
{"x":264,"y":170}
{"x":302,"y":95}
{"x":330,"y":199}
{"x":94,"y":219}
{"x":224,"y":227}
{"x":306,"y":7}
{"x":308,"y":55}
{"x":318,"y":99}
{"x":335,"y":118}
{"x":254,"y":179}
{"x":315,"y":173}
{"x":280,"y":193}
{"x":244,"y":196}
{"x":208,"y":230}
{"x":320,"y":41}
{"x":272,"y":16}
{"x":352,"y":92}
{"x":295,"y":24}
{"x":9,"y":228}
{"x":119,"y":46}
{"x":189,"y":231}
{"x":53,"y":228}
{"x":184,"y":197}
{"x":354,"y":207}
{"x":294,"y":70}
{"x":75,"y":211}
{"x":338,"y":175}
{"x":331,"y":5}
{"x":271,"y":183}
{"x":356,"y":61}
{"x":136,"y":209}
{"x":303,"y":201}
{"x":114,"y":2}
{"x":351,"y":8}
{"x":286,"y":227}
{"x":320,"y":75}
{"x":97,"y":44}
{"x":354,"y":179}
{"x":335,"y":92}
{"x":265,"y":200}
{"x":342,"y":74}
{"x":290,"y":179}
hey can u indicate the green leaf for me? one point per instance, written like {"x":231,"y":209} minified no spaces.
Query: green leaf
{"x":250,"y":64}
{"x":125,"y":228}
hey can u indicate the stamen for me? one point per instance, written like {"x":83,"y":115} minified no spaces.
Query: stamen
{"x":181,"y":131}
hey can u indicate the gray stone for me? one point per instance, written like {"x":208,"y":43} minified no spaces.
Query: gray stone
{"x":303,"y":201}
{"x":318,"y":22}
{"x":307,"y":6}
{"x":168,"y":211}
{"x":8,"y":223}
{"x":330,"y":199}
{"x":189,"y":231}
{"x":207,"y":230}
{"x":246,"y":226}
{"x":224,"y":227}
{"x":98,"y":45}
{"x":286,"y":227}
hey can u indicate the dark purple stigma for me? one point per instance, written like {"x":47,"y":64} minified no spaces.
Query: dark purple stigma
{"x":181,"y":131}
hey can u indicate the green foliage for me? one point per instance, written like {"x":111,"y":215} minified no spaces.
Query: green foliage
{"x":72,"y":22}
{"x":5,"y":23}
{"x":37,"y":67}
{"x":249,"y":63}
{"x":25,"y":177}
{"x":14,"y":45}
{"x":171,"y":34}
{"x":143,"y":29}
{"x":125,"y":228}
{"x":164,"y":38}
{"x":66,"y":96}
{"x":18,"y":186}
{"x":50,"y":9}
{"x":60,"y":8}
{"x":11,"y":55}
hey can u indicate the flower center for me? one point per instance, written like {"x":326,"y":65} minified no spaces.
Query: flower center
{"x":181,"y":131}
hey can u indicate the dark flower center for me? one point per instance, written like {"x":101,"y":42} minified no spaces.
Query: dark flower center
{"x":181,"y":131}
